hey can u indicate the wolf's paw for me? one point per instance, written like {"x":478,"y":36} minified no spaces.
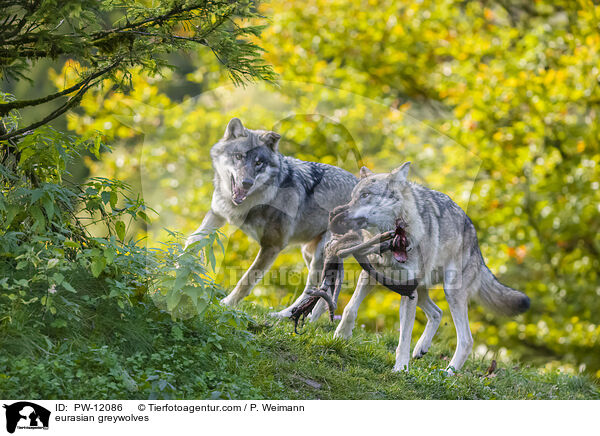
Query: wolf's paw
{"x":316,"y":313}
{"x":229,"y":301}
{"x":419,"y":351}
{"x":449,"y":371}
{"x":343,"y":333}
{"x":400,"y":367}
{"x":286,"y":313}
{"x":417,"y":354}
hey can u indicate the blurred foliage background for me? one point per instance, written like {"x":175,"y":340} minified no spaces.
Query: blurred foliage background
{"x":495,"y":102}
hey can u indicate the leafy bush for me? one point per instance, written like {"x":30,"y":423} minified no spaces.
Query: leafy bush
{"x":133,"y":322}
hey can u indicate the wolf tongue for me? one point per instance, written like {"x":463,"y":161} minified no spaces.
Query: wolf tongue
{"x":399,"y":246}
{"x":400,"y":256}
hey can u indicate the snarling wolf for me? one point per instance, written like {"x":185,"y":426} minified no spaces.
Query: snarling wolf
{"x":437,"y":243}
{"x":276,"y":200}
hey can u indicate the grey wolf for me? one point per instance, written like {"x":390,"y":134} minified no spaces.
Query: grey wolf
{"x":274,"y":199}
{"x":441,"y":247}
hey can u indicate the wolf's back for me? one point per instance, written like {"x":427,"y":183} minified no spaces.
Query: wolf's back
{"x":328,"y":185}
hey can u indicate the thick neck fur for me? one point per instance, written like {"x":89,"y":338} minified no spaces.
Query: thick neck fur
{"x":407,"y":210}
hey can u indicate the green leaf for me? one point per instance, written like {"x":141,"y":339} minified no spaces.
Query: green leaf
{"x":58,"y":278}
{"x":210,"y":255}
{"x":57,"y":323}
{"x":95,"y":148}
{"x":98,"y":265}
{"x":192,"y":292}
{"x":68,"y":286}
{"x":120,"y":229}
{"x":105,"y":197}
{"x":173,"y":299}
{"x":52,"y":263}
{"x":109,"y":255}
{"x":36,"y":195}
{"x":113,"y":199}
{"x":39,"y":220}
{"x":22,"y":264}
{"x":144,"y":216}
{"x":49,"y":207}
{"x":26,"y":154}
{"x":11,"y":212}
{"x":181,"y":279}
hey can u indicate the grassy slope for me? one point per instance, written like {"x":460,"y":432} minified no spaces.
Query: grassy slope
{"x":144,"y":354}
{"x":314,"y":365}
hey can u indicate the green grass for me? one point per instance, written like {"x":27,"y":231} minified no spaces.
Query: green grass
{"x":315,"y":365}
{"x":141,"y":353}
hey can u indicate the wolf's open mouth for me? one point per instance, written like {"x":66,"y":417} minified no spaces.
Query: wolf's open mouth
{"x":399,"y":244}
{"x":238,"y":193}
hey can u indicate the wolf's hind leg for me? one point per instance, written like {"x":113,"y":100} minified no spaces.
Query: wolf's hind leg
{"x":307,"y":254}
{"x":313,"y":256}
{"x":314,"y":279}
{"x":458,"y":303}
{"x":408,"y":309}
{"x":434,"y":317}
{"x":363,"y":287}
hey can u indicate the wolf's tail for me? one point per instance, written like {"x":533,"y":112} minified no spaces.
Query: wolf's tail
{"x":500,"y":298}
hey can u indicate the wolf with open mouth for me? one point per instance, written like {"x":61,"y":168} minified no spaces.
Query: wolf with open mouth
{"x":277,"y":200}
{"x":434,"y":242}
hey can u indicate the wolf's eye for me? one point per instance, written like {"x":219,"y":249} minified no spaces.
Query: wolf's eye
{"x":364,"y":195}
{"x":237,"y":156}
{"x":258,"y":162}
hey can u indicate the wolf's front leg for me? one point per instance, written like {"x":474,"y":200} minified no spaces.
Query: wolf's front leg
{"x":363,"y":287}
{"x":262,"y":263}
{"x":211,"y":222}
{"x":408,"y":309}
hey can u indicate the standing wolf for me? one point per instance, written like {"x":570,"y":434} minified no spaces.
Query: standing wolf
{"x":441,"y":246}
{"x":274,"y":199}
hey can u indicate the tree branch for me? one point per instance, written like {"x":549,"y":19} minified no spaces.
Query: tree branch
{"x":149,"y":21}
{"x":18,"y":104}
{"x":61,"y":110}
{"x":165,"y":37}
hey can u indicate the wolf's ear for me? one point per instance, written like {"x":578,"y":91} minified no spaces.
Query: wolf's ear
{"x":400,"y":174}
{"x":234,"y":129}
{"x":365,"y":172}
{"x":271,"y":139}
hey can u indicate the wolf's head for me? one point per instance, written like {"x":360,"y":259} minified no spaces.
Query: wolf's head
{"x":246,"y":161}
{"x":377,"y":202}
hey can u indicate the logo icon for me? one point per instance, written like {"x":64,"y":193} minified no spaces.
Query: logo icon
{"x":26,"y":415}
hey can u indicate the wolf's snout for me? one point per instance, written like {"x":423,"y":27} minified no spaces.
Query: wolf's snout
{"x":360,"y":222}
{"x":340,"y":221}
{"x":240,"y":190}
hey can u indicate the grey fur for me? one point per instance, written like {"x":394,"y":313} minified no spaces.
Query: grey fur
{"x":442,"y":247}
{"x":284,"y":201}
